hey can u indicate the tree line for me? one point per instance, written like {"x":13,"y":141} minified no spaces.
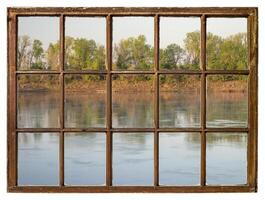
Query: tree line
{"x":134,"y":53}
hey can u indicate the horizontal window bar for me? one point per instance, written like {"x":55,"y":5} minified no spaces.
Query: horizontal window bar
{"x":132,"y":130}
{"x":232,"y":188}
{"x":226,"y":130}
{"x":133,"y":10}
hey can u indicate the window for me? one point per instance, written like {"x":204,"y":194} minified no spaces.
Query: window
{"x":132,"y":100}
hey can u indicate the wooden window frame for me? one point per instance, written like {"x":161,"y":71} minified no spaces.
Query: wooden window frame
{"x":252,"y":35}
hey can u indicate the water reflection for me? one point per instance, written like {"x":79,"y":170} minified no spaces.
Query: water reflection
{"x":227,"y":110}
{"x":38,"y":109}
{"x":41,"y":109}
{"x":85,"y":110}
{"x":133,"y":159}
{"x":179,"y":158}
{"x":38,"y":159}
{"x":133,"y":153}
{"x":226,"y":156}
{"x":179,"y":109}
{"x":85,"y":158}
{"x":132,"y":109}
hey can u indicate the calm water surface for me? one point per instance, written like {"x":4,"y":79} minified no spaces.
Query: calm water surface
{"x":38,"y":154}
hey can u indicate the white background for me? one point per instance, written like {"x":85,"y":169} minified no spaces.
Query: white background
{"x":129,"y":3}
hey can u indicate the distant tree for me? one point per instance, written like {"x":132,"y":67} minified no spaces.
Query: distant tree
{"x":133,"y":54}
{"x":213,"y":51}
{"x":37,"y":55}
{"x":23,"y":52}
{"x":171,"y":57}
{"x":233,"y":53}
{"x":192,"y":47}
{"x":52,"y":55}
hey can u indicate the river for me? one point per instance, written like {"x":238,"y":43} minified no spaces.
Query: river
{"x":179,"y":154}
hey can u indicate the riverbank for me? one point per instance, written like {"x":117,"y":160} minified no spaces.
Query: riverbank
{"x":234,"y":86}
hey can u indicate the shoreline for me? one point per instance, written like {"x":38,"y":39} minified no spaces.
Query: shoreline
{"x":237,"y":86}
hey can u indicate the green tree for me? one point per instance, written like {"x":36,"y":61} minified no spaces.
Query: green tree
{"x":37,"y":54}
{"x":171,"y":57}
{"x":53,"y":56}
{"x":192,"y":47}
{"x":213,"y":50}
{"x":84,"y":53}
{"x":133,"y":54}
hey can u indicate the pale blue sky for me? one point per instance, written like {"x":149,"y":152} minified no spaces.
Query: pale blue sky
{"x":172,"y":29}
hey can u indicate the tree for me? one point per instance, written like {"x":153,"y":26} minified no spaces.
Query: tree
{"x":37,"y":55}
{"x":233,"y":53}
{"x":52,"y":55}
{"x":23,"y":52}
{"x":171,"y":57}
{"x":213,"y":50}
{"x":192,"y":47}
{"x":133,"y":54}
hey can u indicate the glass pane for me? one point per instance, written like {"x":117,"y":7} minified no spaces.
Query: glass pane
{"x":133,"y":158}
{"x":179,"y":101}
{"x":227,"y":101}
{"x":85,"y":158}
{"x":226,"y":158}
{"x":179,"y":158}
{"x":85,"y":101}
{"x":133,"y":43}
{"x":85,"y":39}
{"x":38,"y":45}
{"x":38,"y":101}
{"x":38,"y":159}
{"x":180,"y":47}
{"x":132,"y":101}
{"x":227,"y":43}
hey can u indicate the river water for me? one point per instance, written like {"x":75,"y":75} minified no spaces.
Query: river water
{"x":85,"y":157}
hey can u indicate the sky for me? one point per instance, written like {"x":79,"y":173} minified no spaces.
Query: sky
{"x":172,"y":29}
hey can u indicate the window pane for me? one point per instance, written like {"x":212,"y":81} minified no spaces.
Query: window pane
{"x":179,"y":102}
{"x":133,"y":158}
{"x":38,"y":101}
{"x":132,"y":102}
{"x":85,"y":39}
{"x":85,"y":101}
{"x":179,"y":158}
{"x":226,"y":158}
{"x":38,"y":43}
{"x":227,"y":43}
{"x":38,"y":159}
{"x":227,"y":101}
{"x":85,"y":158}
{"x":179,"y":47}
{"x":133,"y":43}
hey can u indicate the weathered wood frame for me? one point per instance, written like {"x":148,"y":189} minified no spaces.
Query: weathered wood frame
{"x":250,"y":13}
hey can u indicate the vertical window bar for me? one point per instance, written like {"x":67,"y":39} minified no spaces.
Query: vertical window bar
{"x":109,"y":102}
{"x":203,"y":100}
{"x":156,"y":101}
{"x":61,"y":144}
{"x":12,"y":98}
{"x":252,"y":100}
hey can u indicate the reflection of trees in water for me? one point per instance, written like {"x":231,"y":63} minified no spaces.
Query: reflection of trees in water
{"x":181,"y":108}
{"x":91,"y":140}
{"x":133,"y":138}
{"x":38,"y":109}
{"x":234,"y":139}
{"x":227,"y":106}
{"x":38,"y":138}
{"x":133,"y":109}
{"x":85,"y":109}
